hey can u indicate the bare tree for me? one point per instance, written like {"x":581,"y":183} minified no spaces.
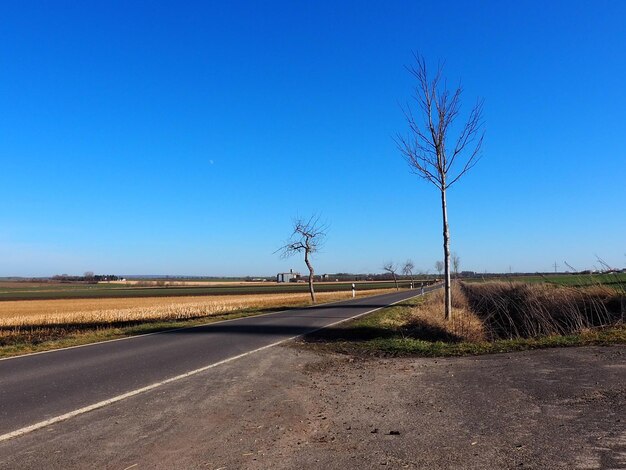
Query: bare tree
{"x":439,"y":266}
{"x":408,"y":268}
{"x":429,"y":149}
{"x":456,"y":263}
{"x":308,"y":237}
{"x":392,"y":268}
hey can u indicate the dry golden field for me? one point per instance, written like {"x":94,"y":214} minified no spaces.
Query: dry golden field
{"x":24,"y":313}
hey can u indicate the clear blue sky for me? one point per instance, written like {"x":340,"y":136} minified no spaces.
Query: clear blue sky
{"x":183,"y":137}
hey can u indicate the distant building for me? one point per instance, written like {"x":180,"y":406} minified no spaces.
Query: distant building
{"x":287,"y":277}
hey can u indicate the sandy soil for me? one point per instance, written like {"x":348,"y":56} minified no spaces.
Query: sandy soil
{"x":285,"y":408}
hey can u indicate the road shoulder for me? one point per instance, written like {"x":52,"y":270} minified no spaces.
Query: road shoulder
{"x":287,"y":408}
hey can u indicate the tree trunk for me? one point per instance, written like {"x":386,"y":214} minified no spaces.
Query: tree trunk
{"x":446,"y":255}
{"x":311,"y":273}
{"x":395,"y":281}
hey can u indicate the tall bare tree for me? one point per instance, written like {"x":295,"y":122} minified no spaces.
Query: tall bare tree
{"x":307,"y":237}
{"x":430,"y":150}
{"x":456,"y":263}
{"x":408,"y":268}
{"x":439,"y":266}
{"x":392,"y":268}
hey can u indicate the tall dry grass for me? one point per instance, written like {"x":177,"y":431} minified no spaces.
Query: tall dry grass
{"x":500,"y":310}
{"x":427,"y":318}
{"x":516,"y":310}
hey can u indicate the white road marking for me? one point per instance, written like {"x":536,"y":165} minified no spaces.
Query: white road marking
{"x":101,"y":404}
{"x":172,"y":330}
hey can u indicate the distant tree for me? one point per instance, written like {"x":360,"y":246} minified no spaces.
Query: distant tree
{"x":439,"y":267}
{"x":408,"y":268}
{"x":392,"y":268}
{"x":308,"y":236}
{"x":88,"y":275}
{"x":456,"y":263}
{"x":427,"y":148}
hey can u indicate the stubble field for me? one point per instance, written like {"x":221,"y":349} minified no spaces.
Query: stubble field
{"x":112,"y":310}
{"x":36,"y":325}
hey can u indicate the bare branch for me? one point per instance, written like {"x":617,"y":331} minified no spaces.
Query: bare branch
{"x":472,"y":133}
{"x":439,"y":266}
{"x":425,"y":149}
{"x":307,"y":237}
{"x":392,"y":268}
{"x":408,"y":268}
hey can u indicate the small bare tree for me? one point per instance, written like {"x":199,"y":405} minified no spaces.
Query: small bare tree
{"x":439,"y":266}
{"x":456,"y":263}
{"x":392,"y":268}
{"x":308,"y":237}
{"x":430,"y":150}
{"x":408,"y":268}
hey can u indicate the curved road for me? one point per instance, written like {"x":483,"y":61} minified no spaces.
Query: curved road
{"x":39,"y":389}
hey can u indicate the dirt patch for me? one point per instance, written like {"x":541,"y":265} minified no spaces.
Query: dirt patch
{"x":285,"y":408}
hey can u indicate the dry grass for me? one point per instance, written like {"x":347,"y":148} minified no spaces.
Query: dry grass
{"x":465,"y":324}
{"x":29,"y":311}
{"x":515,"y":310}
{"x":496,"y":317}
{"x":39,"y":320}
{"x":499,"y":310}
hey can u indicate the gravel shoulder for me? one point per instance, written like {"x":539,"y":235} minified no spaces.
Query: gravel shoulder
{"x":286,"y":408}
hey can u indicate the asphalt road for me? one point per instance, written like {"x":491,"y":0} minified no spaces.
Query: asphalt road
{"x":41,"y":387}
{"x":287,"y":408}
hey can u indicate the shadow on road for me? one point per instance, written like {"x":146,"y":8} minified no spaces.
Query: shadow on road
{"x":304,"y":320}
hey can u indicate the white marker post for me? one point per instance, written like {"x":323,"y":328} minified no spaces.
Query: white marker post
{"x":353,"y":290}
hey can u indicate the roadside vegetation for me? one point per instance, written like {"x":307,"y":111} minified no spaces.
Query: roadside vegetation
{"x":37,"y":325}
{"x":489,"y":317}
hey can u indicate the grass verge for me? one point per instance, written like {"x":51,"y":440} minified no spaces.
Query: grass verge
{"x":414,"y":328}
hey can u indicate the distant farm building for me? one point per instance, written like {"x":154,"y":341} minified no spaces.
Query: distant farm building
{"x":287,"y":277}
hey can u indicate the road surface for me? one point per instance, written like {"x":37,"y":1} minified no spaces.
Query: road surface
{"x":41,"y":389}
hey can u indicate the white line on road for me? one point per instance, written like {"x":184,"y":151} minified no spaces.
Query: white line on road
{"x":254,"y":315}
{"x":101,"y":404}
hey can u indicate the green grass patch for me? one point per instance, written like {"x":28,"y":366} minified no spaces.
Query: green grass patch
{"x":617,"y":280}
